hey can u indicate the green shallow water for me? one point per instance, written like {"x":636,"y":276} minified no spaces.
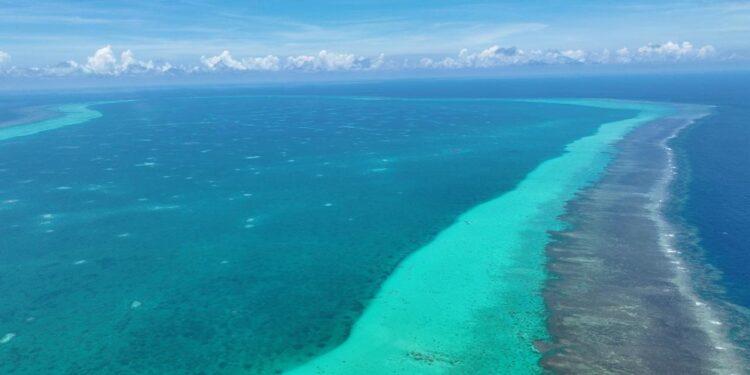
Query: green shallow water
{"x":469,"y":302}
{"x":254,"y":231}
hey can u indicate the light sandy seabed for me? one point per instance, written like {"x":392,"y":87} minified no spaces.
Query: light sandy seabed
{"x":470,"y":301}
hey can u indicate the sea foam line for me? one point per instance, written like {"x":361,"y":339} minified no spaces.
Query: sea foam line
{"x":707,"y":318}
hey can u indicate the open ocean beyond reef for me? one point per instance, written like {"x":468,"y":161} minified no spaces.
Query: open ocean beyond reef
{"x":224,"y":230}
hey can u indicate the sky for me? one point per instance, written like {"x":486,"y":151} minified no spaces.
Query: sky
{"x":120,"y":38}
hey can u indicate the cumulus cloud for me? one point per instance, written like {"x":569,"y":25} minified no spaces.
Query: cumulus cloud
{"x":658,"y":53}
{"x":496,"y":56}
{"x":102,"y":62}
{"x":323,"y":61}
{"x":106,"y":62}
{"x":326,"y":61}
{"x":674,"y":51}
{"x":225,"y":61}
{"x":269,"y":62}
{"x":222,"y":61}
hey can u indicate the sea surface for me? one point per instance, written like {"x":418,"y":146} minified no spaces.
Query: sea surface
{"x":210,"y":233}
{"x":714,"y":208}
{"x":245,"y":230}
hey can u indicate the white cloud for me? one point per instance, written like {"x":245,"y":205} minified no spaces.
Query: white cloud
{"x":222,"y":61}
{"x":331,"y":62}
{"x":269,"y":62}
{"x":103,"y":61}
{"x":674,"y":51}
{"x":106,"y":62}
{"x":225,"y":61}
{"x":323,"y":61}
{"x":574,"y":55}
{"x":656,"y":53}
{"x":622,"y":55}
{"x":63,"y":68}
{"x":496,"y":56}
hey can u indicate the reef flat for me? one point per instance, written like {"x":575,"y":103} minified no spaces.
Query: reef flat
{"x":620,"y":299}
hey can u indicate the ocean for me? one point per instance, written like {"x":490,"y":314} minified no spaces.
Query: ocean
{"x":719,"y":160}
{"x":715,"y":209}
{"x":253,"y":230}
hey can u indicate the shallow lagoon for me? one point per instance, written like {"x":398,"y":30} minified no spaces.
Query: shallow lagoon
{"x":240,"y":234}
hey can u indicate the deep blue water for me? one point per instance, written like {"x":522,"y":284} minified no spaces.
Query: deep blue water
{"x":718,"y":194}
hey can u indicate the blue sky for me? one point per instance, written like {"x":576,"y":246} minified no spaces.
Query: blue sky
{"x":37,"y":34}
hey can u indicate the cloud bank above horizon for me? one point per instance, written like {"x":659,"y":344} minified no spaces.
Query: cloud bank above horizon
{"x":203,"y":37}
{"x":106,"y":62}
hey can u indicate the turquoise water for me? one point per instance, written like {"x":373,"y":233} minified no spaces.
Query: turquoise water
{"x":210,"y":234}
{"x":469,"y":301}
{"x":70,"y":114}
